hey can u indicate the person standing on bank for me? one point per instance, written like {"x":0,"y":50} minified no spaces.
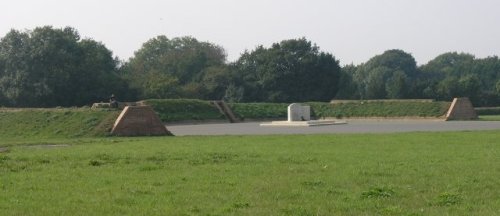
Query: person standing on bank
{"x":113,"y":103}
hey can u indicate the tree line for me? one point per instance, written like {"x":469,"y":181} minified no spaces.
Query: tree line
{"x":47,"y":67}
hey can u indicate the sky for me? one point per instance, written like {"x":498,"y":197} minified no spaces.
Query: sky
{"x":352,"y":30}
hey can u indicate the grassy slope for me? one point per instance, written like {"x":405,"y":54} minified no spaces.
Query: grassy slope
{"x":259,"y":110}
{"x":488,"y":110}
{"x":489,"y":117}
{"x":43,"y":123}
{"x":359,"y":109}
{"x":453,"y":173}
{"x":381,"y":109}
{"x":184,"y":109}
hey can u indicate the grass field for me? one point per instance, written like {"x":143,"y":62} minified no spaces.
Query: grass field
{"x":453,"y":173}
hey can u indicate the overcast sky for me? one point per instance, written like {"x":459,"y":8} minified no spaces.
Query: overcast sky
{"x":352,"y":30}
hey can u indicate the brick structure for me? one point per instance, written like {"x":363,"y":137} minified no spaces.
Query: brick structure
{"x":461,"y":109}
{"x":139,"y":121}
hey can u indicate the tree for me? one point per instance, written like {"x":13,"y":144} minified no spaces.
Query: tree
{"x":54,"y":67}
{"x":14,"y":66}
{"x":290,"y":71}
{"x":216,"y":80}
{"x":160,"y":85}
{"x":488,"y":72}
{"x":348,"y":89}
{"x":234,"y":93}
{"x":450,"y":64}
{"x":389,"y":75}
{"x":397,"y":85}
{"x":462,"y":75}
{"x":98,"y":75}
{"x":185,"y":59}
{"x":498,"y":87}
{"x":469,"y":86}
{"x":447,"y":88}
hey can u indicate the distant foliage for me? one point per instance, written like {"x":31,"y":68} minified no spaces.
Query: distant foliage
{"x":462,"y":75}
{"x":53,"y":67}
{"x":394,"y":75}
{"x":47,"y":67}
{"x":178,"y":68}
{"x":290,"y":71}
{"x":390,"y":75}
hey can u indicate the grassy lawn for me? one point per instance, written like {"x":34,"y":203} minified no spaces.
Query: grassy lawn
{"x":452,"y":173}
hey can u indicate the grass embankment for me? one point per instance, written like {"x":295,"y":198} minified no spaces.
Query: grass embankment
{"x":452,"y":173}
{"x":66,"y":122}
{"x":351,"y":109}
{"x":259,"y":110}
{"x":170,"y":110}
{"x":487,"y":110}
{"x":381,"y":109}
{"x":489,"y":117}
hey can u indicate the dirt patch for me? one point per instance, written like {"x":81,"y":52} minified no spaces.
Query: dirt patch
{"x":4,"y":150}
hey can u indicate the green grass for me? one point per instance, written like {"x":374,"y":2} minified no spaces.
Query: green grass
{"x":487,"y":110}
{"x":259,"y":110}
{"x":452,"y":173}
{"x":65,"y":122}
{"x":170,"y":110}
{"x":351,"y":109}
{"x":381,"y":109}
{"x":489,"y":117}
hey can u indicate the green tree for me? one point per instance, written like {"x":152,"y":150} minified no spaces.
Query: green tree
{"x":234,"y":93}
{"x":54,"y":67}
{"x":160,"y":85}
{"x":216,"y":80}
{"x":348,"y":89}
{"x":184,"y":59}
{"x":469,"y":86}
{"x":488,"y":71}
{"x":448,"y":88}
{"x":397,"y":85}
{"x":463,"y":75}
{"x":389,"y":75}
{"x":498,"y":87}
{"x":14,"y":66}
{"x":449,"y":64}
{"x":292,"y":70}
{"x":98,"y":75}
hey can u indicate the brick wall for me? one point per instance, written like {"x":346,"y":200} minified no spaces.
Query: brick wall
{"x":461,"y":109}
{"x":139,"y":121}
